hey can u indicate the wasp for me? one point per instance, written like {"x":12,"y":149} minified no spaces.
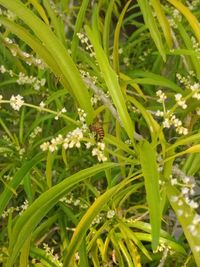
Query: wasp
{"x":97,"y":129}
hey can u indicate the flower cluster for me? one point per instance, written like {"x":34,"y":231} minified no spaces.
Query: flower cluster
{"x":187,"y":185}
{"x":84,"y":40}
{"x":35,"y":133}
{"x":10,"y":15}
{"x":163,"y":247}
{"x":100,"y":217}
{"x":26,"y":57}
{"x":161,"y":96}
{"x":180,"y":101}
{"x":94,"y":99}
{"x":74,"y":139}
{"x":193,"y":227}
{"x":63,"y":110}
{"x":99,"y":152}
{"x":18,"y":209}
{"x":196,"y":46}
{"x":189,"y":84}
{"x":4,"y":70}
{"x":193,"y":5}
{"x":53,"y":144}
{"x":37,"y":84}
{"x":70,"y":199}
{"x":82,"y":115}
{"x":24,"y":206}
{"x":24,"y":79}
{"x":110,"y":214}
{"x":59,"y":12}
{"x":50,"y":253}
{"x":16,"y":102}
{"x":175,"y":16}
{"x":145,"y":54}
{"x":196,"y":89}
{"x":170,"y":119}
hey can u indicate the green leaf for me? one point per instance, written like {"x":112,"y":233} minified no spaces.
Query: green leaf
{"x":163,"y":21}
{"x":86,"y":220}
{"x":77,"y":27}
{"x":112,"y":83}
{"x":106,"y":28}
{"x":192,"y":164}
{"x":192,"y":20}
{"x":151,"y":178}
{"x":56,"y":22}
{"x":145,"y":77}
{"x":116,"y":38}
{"x":33,"y":215}
{"x":18,"y":177}
{"x":40,"y":10}
{"x":152,"y":25}
{"x":58,"y":52}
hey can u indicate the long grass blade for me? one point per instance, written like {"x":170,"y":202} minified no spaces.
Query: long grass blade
{"x":33,"y":215}
{"x":152,"y":26}
{"x":112,"y":83}
{"x":151,"y":179}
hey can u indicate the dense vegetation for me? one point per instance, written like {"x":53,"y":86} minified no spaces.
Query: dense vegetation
{"x":99,"y":133}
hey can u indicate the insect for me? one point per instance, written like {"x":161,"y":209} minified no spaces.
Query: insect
{"x":97,"y":129}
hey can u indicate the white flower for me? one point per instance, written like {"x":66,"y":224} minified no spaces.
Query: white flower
{"x":180,"y":212}
{"x":196,"y":96}
{"x":88,"y":145}
{"x":16,"y":102}
{"x":66,"y":143}
{"x":195,"y":87}
{"x":24,"y":206}
{"x":82,"y":115}
{"x":192,"y":229}
{"x":180,"y":101}
{"x":159,"y":113}
{"x":59,"y":113}
{"x":45,"y":146}
{"x":42,"y":105}
{"x":42,"y":82}
{"x":73,"y":138}
{"x":193,"y":204}
{"x":1,"y":97}
{"x":53,"y":147}
{"x":198,"y":111}
{"x":180,"y":202}
{"x":101,"y":146}
{"x":197,"y":248}
{"x":196,"y":219}
{"x":161,"y":95}
{"x":166,"y":123}
{"x":100,"y":156}
{"x":185,"y":190}
{"x":174,"y":199}
{"x":110,"y":214}
{"x":2,"y":69}
{"x":174,"y":181}
{"x":63,"y":110}
{"x":182,"y":130}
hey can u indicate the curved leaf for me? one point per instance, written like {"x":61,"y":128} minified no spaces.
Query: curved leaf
{"x":112,"y":83}
{"x":151,"y":179}
{"x":33,"y":215}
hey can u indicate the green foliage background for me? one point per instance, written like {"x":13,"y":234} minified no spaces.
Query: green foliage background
{"x":130,"y":207}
